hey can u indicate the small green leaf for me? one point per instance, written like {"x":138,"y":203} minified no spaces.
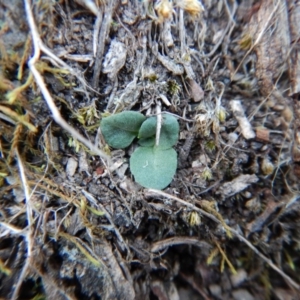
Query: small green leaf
{"x":119,"y":130}
{"x":168,"y":134}
{"x":153,"y":167}
{"x":148,"y":128}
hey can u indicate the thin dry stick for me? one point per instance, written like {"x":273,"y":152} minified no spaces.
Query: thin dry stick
{"x":181,"y":31}
{"x":26,"y":189}
{"x":7,"y":119}
{"x":11,"y":229}
{"x":211,"y":53}
{"x":238,"y":235}
{"x":169,"y":242}
{"x":231,"y":267}
{"x":229,"y":12}
{"x":29,"y":233}
{"x":96,"y":31}
{"x":55,"y":58}
{"x":38,"y":47}
{"x":107,"y":215}
{"x":258,"y":38}
{"x":108,"y":10}
{"x":129,"y":32}
{"x":159,"y":122}
{"x":165,"y":100}
{"x":178,"y":117}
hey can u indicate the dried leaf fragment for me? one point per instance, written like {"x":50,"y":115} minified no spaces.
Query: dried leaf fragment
{"x":171,"y":65}
{"x":164,"y":9}
{"x":294,"y":67}
{"x":114,"y":59}
{"x":269,"y":28}
{"x":244,"y":123}
{"x":263,"y":134}
{"x":71,"y":166}
{"x":196,"y":91}
{"x":192,"y":7}
{"x":237,"y":185}
{"x":266,"y":166}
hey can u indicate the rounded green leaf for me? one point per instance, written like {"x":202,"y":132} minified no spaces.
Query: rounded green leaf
{"x":119,"y":130}
{"x":147,"y":132}
{"x":153,"y":167}
{"x":168,"y":134}
{"x":148,"y":128}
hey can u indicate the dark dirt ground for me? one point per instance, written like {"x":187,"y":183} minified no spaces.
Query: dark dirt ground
{"x":76,"y":226}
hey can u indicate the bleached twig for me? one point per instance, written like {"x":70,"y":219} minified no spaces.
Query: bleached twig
{"x":181,"y":31}
{"x":38,"y":47}
{"x":165,"y":100}
{"x":29,"y":233}
{"x":159,"y":122}
{"x":96,"y":31}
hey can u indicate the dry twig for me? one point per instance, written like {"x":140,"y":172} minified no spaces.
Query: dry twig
{"x":108,"y":10}
{"x":160,"y":245}
{"x":159,"y":122}
{"x":38,"y":47}
{"x":122,"y":243}
{"x":229,"y":25}
{"x":259,"y":36}
{"x":29,"y":232}
{"x":233,"y":231}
